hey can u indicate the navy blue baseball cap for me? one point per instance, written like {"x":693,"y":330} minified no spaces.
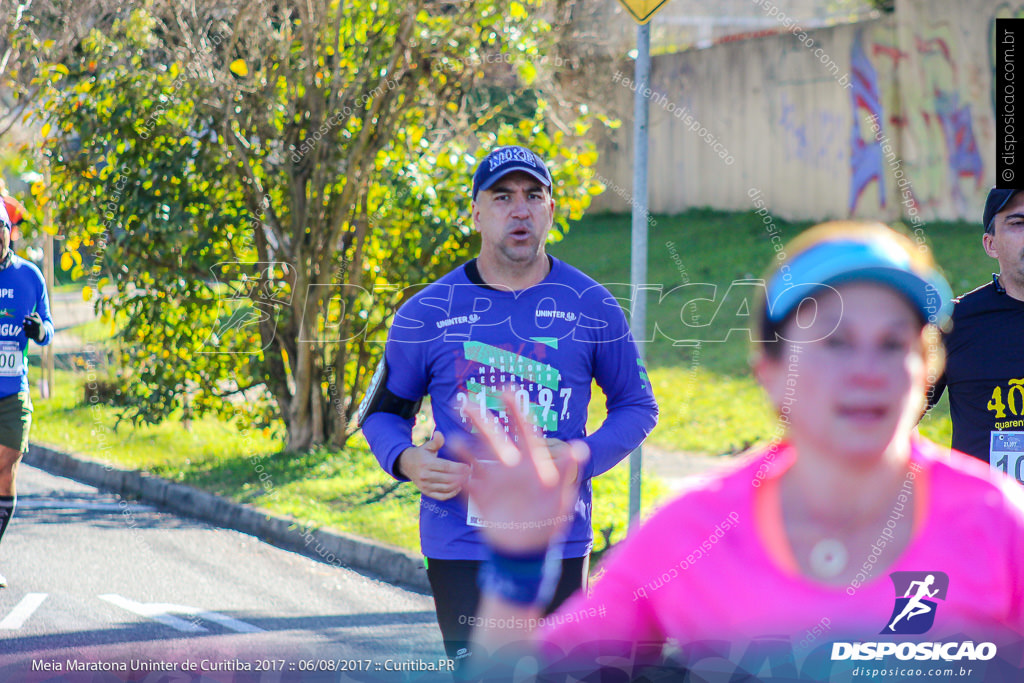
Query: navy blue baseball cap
{"x":505,"y":160}
{"x":997,"y":199}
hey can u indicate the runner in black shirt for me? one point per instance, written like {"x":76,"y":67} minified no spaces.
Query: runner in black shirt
{"x":985,"y":349}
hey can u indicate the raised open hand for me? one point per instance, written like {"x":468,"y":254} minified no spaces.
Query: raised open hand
{"x":526,"y":496}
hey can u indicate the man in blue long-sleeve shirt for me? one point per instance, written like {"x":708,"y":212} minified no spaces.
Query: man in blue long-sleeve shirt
{"x":512,"y":320}
{"x":24,"y":315}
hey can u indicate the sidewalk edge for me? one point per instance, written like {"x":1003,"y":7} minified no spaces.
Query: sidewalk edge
{"x":390,"y":564}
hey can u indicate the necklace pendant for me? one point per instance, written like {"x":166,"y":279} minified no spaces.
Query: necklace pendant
{"x":828,"y":558}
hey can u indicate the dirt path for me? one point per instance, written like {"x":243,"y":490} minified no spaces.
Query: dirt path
{"x":674,"y":466}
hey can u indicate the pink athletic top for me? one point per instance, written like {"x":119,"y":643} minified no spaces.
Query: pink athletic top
{"x":715,"y":564}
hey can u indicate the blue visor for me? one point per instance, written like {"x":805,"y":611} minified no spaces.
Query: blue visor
{"x":875,"y":260}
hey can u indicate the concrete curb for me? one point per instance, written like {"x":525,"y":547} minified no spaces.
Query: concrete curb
{"x":337,"y":548}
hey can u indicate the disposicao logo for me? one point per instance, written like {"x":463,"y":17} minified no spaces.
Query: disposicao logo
{"x":913,"y":614}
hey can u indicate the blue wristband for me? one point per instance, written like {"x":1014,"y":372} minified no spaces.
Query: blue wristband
{"x":522,"y":579}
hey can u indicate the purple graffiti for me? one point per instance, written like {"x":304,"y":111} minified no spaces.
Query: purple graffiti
{"x":865,"y":152}
{"x":957,"y":128}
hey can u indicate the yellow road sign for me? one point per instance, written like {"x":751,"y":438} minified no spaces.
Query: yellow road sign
{"x":643,"y":10}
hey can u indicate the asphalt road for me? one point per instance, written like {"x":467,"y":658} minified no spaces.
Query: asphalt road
{"x":101,"y":583}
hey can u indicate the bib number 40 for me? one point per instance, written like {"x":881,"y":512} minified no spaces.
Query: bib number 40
{"x":1014,"y":399}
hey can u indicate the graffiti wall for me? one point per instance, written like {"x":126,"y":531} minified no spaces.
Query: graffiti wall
{"x":946,"y":128}
{"x":884,"y":119}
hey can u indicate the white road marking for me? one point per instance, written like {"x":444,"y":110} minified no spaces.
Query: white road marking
{"x":22,"y":611}
{"x":156,"y":612}
{"x":161,"y":612}
{"x":230,"y":622}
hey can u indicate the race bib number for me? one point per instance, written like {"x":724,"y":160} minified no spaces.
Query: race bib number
{"x":1006,"y":454}
{"x":473,"y":515}
{"x":12,"y":359}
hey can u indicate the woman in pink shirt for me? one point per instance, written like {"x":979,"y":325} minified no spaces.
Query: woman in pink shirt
{"x":847,"y":547}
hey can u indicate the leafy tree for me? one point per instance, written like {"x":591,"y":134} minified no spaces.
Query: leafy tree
{"x":263,"y":181}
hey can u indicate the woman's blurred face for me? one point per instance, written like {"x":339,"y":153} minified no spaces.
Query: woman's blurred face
{"x":857,"y":384}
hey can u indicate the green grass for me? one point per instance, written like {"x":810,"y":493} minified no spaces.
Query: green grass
{"x":95,"y":331}
{"x":68,"y":287}
{"x":66,"y":421}
{"x":709,"y":401}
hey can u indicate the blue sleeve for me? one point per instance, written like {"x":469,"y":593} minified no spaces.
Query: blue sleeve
{"x":389,"y":434}
{"x":632,"y":410}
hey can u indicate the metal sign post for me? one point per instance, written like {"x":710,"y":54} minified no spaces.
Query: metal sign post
{"x":47,"y":387}
{"x":638,"y":242}
{"x":642,"y":11}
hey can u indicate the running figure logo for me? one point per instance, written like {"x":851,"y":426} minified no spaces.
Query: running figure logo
{"x":914,"y":612}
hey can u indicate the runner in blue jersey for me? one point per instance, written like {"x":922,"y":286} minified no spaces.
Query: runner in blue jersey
{"x":24,"y":315}
{"x":514,"y":319}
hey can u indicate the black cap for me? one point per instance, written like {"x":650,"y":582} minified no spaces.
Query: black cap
{"x":997,"y":199}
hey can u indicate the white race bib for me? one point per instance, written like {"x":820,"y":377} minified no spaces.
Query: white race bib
{"x":12,"y":359}
{"x":473,"y":516}
{"x":1006,"y":454}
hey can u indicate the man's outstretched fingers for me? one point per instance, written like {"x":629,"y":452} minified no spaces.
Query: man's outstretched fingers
{"x":546,"y":470}
{"x":580,"y":452}
{"x":495,"y":441}
{"x":529,"y":441}
{"x":519,"y":422}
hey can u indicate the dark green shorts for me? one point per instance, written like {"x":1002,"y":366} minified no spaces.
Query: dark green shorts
{"x":15,"y":420}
